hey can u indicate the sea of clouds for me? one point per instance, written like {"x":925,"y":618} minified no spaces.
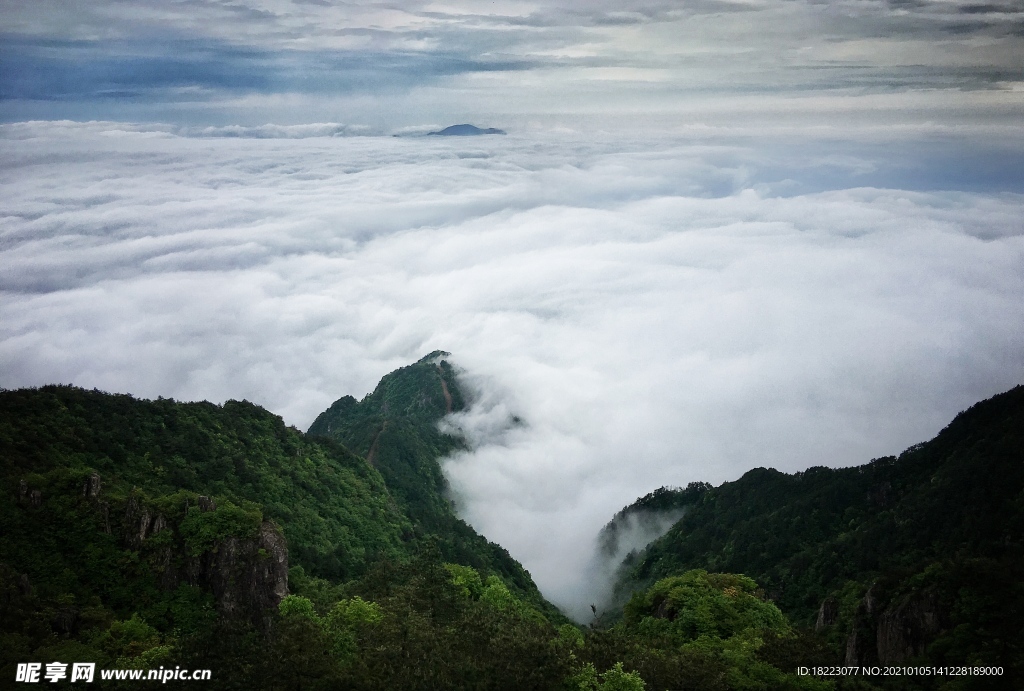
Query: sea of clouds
{"x":655,"y":309}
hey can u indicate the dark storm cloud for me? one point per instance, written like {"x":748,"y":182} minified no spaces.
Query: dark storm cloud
{"x":56,"y":70}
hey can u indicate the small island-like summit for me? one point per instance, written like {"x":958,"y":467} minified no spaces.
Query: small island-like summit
{"x":465,"y":130}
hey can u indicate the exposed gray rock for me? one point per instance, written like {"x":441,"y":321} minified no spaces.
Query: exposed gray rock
{"x":828,"y":613}
{"x":248,"y":577}
{"x":159,"y":524}
{"x":91,"y":488}
{"x":892,"y":633}
{"x":906,"y":627}
{"x":136,"y":523}
{"x":14,"y":586}
{"x":860,"y":644}
{"x":35,"y":498}
{"x":206,"y":504}
{"x":870,"y":601}
{"x":104,"y":509}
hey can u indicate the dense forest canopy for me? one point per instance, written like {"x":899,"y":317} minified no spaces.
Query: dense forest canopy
{"x":141,"y":534}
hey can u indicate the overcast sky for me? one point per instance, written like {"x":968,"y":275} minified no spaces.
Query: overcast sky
{"x":719,"y":235}
{"x":394,"y":64}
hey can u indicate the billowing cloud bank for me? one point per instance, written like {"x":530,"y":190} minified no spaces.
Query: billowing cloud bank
{"x":655,"y":310}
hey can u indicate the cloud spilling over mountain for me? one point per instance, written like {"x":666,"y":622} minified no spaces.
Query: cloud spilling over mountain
{"x":628,"y":311}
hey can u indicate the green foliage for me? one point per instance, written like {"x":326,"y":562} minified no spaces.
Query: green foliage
{"x":570,"y":637}
{"x":391,"y":590}
{"x":497,"y":595}
{"x":615,"y":679}
{"x":204,"y":529}
{"x":698,"y":604}
{"x":355,"y":612}
{"x":297,"y":607}
{"x":664,"y":501}
{"x":333,"y":508}
{"x":105,"y":558}
{"x":721,"y":617}
{"x":397,"y":429}
{"x":939,"y":529}
{"x":467,"y":579}
{"x":816,"y":530}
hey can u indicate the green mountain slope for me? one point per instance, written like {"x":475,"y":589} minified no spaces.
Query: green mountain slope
{"x":333,"y":508}
{"x":396,"y":429}
{"x":147,"y":534}
{"x":131,"y":530}
{"x":140,"y":533}
{"x":916,"y":557}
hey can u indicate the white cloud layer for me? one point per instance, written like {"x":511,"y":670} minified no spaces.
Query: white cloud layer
{"x":655,"y":309}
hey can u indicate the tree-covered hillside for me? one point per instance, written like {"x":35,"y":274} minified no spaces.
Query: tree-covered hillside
{"x":334,"y":509}
{"x":396,"y":429}
{"x":147,"y":534}
{"x":919,"y":557}
{"x":140,"y":534}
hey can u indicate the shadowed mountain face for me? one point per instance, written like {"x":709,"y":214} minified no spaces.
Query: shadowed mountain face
{"x":466,"y":131}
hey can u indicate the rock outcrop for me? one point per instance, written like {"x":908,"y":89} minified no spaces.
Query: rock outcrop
{"x":247,"y":576}
{"x":907,"y":626}
{"x":894,"y":633}
{"x":828,"y":613}
{"x":92,"y":486}
{"x":860,"y":644}
{"x":136,"y":523}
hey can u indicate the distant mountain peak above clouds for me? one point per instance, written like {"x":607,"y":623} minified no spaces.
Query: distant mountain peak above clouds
{"x":466,"y":130}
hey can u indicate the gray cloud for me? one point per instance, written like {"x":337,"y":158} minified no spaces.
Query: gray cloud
{"x":197,"y":58}
{"x":631,"y":309}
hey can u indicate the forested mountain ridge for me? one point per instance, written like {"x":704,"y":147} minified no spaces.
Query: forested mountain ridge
{"x":141,"y":534}
{"x":334,"y":509}
{"x":919,"y":557}
{"x":138,"y":533}
{"x":396,"y":429}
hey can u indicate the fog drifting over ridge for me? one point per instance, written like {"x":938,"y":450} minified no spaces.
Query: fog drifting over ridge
{"x":655,"y":308}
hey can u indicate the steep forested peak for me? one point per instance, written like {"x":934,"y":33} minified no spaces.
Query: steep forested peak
{"x":395,"y":428}
{"x":422,"y":392}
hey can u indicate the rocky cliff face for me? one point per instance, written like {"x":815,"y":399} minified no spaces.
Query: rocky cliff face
{"x":907,"y":626}
{"x":891,"y":633}
{"x":247,"y":575}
